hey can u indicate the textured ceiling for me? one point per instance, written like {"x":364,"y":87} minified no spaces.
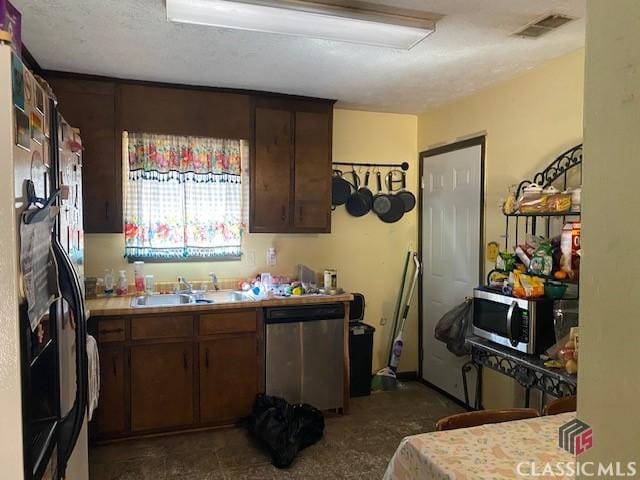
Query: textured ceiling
{"x":471,"y":49}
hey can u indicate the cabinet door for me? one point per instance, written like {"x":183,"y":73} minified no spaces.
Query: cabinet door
{"x":228,"y":378}
{"x":271,"y":171}
{"x":90,"y":106}
{"x":110,"y":416}
{"x":161,"y":386}
{"x":312,"y":199}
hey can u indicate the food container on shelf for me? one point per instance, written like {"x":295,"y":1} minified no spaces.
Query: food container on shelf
{"x":576,"y":199}
{"x":554,"y":290}
{"x":559,"y":203}
{"x":532,"y":200}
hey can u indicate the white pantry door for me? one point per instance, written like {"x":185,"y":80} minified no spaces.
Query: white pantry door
{"x":451,"y":249}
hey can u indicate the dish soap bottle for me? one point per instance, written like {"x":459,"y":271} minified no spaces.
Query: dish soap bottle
{"x":108,"y":281}
{"x":122,"y":288}
{"x":138,"y":276}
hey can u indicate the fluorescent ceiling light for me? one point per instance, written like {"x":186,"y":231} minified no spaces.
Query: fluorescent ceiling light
{"x":339,"y":20}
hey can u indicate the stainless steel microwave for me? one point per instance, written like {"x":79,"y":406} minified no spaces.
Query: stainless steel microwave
{"x":521,"y":324}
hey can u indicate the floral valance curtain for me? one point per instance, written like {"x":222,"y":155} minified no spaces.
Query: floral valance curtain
{"x":185,"y":196}
{"x":198,"y":159}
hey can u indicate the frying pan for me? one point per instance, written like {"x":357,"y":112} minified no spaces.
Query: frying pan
{"x":358,"y":203}
{"x":340,"y":189}
{"x":408,"y":198}
{"x":381,"y":201}
{"x":365,"y":190}
{"x":396,"y":211}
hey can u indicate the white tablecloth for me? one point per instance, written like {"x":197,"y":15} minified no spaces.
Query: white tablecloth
{"x":485,"y":452}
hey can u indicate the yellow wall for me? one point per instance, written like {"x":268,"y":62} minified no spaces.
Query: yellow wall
{"x":609,"y":301}
{"x":367,"y":253}
{"x":528,"y":121}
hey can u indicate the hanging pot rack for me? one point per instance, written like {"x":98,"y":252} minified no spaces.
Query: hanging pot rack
{"x":403,"y":166}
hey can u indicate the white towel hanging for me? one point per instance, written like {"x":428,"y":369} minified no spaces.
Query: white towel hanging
{"x":94,"y":375}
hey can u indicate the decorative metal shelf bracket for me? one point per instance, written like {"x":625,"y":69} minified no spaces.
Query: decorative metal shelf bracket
{"x":527,"y":377}
{"x":556,"y":169}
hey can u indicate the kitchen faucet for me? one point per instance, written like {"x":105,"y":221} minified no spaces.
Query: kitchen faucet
{"x":214,"y":281}
{"x":183,"y":282}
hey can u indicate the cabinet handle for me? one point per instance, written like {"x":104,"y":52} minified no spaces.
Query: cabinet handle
{"x":184,"y":359}
{"x":113,"y":366}
{"x":111,"y":330}
{"x":206,"y":357}
{"x":106,"y":210}
{"x":284,"y":213}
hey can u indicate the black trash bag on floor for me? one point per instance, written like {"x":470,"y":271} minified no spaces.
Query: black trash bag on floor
{"x":284,"y":429}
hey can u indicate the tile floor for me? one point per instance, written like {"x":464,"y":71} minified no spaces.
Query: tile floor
{"x":357,"y":445}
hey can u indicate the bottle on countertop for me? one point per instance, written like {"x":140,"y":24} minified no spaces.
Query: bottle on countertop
{"x":272,"y":257}
{"x":138,"y":276}
{"x":123,"y":287}
{"x":149,"y":284}
{"x":108,"y":281}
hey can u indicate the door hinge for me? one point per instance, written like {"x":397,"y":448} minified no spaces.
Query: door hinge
{"x":422,"y":182}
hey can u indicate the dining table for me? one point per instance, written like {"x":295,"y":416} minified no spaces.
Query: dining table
{"x":508,"y":450}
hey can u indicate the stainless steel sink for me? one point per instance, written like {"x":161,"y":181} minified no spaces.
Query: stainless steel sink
{"x":177,"y":299}
{"x":237,"y":296}
{"x":163,"y":300}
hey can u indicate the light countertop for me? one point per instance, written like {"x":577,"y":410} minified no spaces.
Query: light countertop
{"x":121,"y":306}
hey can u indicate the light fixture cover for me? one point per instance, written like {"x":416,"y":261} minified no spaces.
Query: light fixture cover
{"x":306,"y":19}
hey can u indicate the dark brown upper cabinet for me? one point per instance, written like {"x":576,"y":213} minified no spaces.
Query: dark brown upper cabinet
{"x":291,"y":166}
{"x":290,"y":144}
{"x":90,"y":106}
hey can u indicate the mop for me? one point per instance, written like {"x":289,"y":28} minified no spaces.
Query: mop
{"x":386,"y":379}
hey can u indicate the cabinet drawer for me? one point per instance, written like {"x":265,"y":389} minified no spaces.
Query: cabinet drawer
{"x":243,"y":321}
{"x":161,"y":327}
{"x":111,"y":330}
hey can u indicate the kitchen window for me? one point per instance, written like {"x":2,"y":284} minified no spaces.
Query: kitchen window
{"x":186,"y":198}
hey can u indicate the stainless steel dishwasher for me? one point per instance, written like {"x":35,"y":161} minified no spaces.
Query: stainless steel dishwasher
{"x":305,"y":354}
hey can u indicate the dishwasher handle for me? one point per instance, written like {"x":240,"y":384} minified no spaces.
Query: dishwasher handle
{"x":305,"y":313}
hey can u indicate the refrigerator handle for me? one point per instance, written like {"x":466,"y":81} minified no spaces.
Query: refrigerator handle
{"x":71,"y":291}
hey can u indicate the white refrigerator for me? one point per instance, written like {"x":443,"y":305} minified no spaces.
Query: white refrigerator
{"x":42,"y":155}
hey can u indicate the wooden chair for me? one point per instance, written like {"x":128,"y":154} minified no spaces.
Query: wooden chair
{"x":482,"y":417}
{"x":561,"y":405}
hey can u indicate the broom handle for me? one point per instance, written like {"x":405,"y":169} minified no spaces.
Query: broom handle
{"x":407,"y":305}
{"x":396,"y":313}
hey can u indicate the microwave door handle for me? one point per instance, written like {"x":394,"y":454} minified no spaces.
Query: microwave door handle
{"x":512,"y":308}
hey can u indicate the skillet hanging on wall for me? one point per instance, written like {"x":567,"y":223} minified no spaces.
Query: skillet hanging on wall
{"x":340,"y":189}
{"x":407,"y":197}
{"x":396,"y":210}
{"x":358,"y":203}
{"x":381,"y":201}
{"x":364,"y":190}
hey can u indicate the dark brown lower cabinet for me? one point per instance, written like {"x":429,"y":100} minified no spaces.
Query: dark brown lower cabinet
{"x":161,"y":386}
{"x":228,"y":378}
{"x":170,"y":372}
{"x":111,"y":416}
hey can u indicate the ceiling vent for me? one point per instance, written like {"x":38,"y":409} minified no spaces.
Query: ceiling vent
{"x":543,"y":25}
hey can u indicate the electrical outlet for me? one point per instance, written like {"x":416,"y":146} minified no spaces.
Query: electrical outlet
{"x":250,"y":257}
{"x":383,"y":320}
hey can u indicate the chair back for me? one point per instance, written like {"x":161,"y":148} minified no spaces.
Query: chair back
{"x":482,"y":417}
{"x":561,"y":405}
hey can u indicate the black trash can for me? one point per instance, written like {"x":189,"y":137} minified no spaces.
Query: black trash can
{"x":360,"y":358}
